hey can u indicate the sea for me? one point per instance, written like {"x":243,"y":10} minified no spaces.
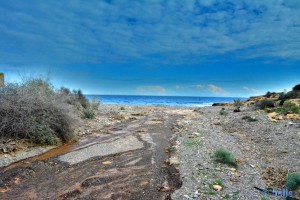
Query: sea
{"x":161,"y":100}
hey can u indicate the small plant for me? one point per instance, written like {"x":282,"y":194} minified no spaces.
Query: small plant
{"x":237,"y":103}
{"x":293,"y":180}
{"x":265,"y":104}
{"x":223,"y":112}
{"x":191,"y":143}
{"x":122,"y":108}
{"x":224,"y":156}
{"x":88,"y":113}
{"x":289,"y":107}
{"x":249,"y":119}
{"x":278,"y":110}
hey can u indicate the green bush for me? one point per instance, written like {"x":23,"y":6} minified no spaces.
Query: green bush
{"x":34,"y":110}
{"x":293,"y":180}
{"x":265,"y":104}
{"x":224,"y":156}
{"x":289,"y":107}
{"x":89,"y":113}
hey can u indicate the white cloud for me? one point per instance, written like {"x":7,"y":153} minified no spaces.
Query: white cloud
{"x":246,"y":88}
{"x":151,"y":89}
{"x":216,"y":90}
{"x":250,"y":89}
{"x":179,"y":31}
{"x":199,"y":86}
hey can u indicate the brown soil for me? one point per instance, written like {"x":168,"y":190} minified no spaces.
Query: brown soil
{"x":135,"y":174}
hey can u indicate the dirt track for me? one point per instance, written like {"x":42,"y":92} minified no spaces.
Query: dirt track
{"x":133,"y":168}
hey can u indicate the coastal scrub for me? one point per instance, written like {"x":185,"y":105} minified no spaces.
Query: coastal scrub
{"x":34,"y":110}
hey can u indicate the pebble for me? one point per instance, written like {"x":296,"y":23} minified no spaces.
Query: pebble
{"x":196,"y":194}
{"x":217,"y":187}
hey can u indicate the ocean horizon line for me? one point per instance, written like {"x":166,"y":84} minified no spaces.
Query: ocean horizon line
{"x":137,"y":95}
{"x":188,"y":101}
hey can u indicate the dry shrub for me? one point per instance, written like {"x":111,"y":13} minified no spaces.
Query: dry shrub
{"x":34,"y":110}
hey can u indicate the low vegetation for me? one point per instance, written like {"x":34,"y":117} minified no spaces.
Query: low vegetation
{"x":238,"y":103}
{"x":224,"y":156}
{"x":34,"y":110}
{"x":265,"y":104}
{"x":293,"y":181}
{"x":282,"y":103}
{"x":223,"y":112}
{"x":88,"y":113}
{"x":249,"y":119}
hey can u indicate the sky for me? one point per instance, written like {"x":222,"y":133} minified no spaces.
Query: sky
{"x":232,"y":48}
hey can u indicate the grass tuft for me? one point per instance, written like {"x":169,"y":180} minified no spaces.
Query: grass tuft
{"x":293,"y":180}
{"x":224,"y":156}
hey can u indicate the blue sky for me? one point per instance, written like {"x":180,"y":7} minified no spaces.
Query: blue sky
{"x":178,"y":47}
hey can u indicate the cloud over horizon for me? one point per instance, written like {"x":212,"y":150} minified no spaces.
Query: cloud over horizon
{"x":156,"y":89}
{"x":216,"y":90}
{"x":189,"y":31}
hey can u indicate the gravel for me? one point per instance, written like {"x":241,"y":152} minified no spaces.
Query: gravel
{"x":265,"y":151}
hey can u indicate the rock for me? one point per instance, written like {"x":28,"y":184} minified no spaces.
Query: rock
{"x":237,"y":174}
{"x":196,"y":194}
{"x":174,"y":161}
{"x":4,"y":190}
{"x":279,"y":117}
{"x":237,"y":110}
{"x":17,"y":181}
{"x":293,"y":116}
{"x":144,"y":184}
{"x":272,"y":115}
{"x":217,"y":187}
{"x":4,"y":150}
{"x":256,"y":98}
{"x":107,"y":163}
{"x":164,"y":189}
